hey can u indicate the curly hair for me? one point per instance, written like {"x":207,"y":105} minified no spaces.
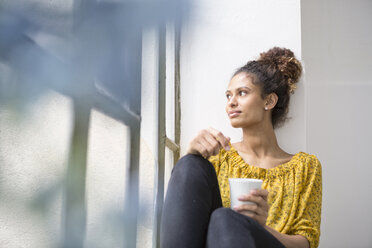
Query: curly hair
{"x":276,"y":71}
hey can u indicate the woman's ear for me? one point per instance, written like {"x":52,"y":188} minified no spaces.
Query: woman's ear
{"x":270,"y":101}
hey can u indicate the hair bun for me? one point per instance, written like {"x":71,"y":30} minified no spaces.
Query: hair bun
{"x":283,"y":59}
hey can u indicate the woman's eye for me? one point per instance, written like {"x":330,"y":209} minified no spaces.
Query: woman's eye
{"x":242,"y":93}
{"x":228,"y":96}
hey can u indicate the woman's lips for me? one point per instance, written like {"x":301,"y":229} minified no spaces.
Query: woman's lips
{"x":233,"y":114}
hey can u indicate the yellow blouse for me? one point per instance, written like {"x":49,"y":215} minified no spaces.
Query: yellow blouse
{"x":295,"y":190}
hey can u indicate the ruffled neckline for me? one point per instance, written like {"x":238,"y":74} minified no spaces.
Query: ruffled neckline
{"x":279,"y":169}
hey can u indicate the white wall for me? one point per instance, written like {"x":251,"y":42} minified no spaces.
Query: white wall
{"x":336,"y":47}
{"x":222,"y":36}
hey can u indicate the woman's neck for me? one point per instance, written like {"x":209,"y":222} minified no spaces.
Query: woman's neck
{"x":260,"y":142}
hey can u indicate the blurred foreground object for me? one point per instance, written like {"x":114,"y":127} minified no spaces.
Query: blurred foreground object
{"x":89,"y":51}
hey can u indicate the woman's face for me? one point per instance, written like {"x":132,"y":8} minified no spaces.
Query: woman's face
{"x":245,"y":106}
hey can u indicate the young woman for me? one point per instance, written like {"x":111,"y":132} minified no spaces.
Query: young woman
{"x":287,"y":209}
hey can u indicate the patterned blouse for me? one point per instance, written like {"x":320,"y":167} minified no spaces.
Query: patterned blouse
{"x":295,"y":190}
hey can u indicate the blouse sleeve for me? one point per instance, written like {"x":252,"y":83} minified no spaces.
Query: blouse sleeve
{"x":307,"y":220}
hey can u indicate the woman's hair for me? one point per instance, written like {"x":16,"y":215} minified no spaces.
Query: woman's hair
{"x":276,"y":71}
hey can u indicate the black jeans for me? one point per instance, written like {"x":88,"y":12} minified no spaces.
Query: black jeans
{"x":193,"y":215}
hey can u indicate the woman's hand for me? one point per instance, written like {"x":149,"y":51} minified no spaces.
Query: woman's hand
{"x":257,"y":211}
{"x":208,"y":142}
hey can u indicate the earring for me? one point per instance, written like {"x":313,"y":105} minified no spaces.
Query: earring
{"x":266,"y":108}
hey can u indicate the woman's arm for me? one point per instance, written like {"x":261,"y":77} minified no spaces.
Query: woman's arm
{"x":289,"y":241}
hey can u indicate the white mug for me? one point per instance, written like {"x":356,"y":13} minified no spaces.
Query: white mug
{"x":242,"y":186}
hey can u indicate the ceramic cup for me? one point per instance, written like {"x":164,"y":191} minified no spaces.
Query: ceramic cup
{"x":242,"y":186}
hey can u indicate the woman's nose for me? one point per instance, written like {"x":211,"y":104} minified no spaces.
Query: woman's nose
{"x":232,"y":101}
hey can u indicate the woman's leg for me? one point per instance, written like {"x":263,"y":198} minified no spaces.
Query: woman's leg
{"x":228,"y":228}
{"x":193,"y":194}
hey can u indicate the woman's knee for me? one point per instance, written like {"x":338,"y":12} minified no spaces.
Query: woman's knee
{"x":228,"y":228}
{"x":221,"y":217}
{"x":229,"y":218}
{"x":223,"y":229}
{"x":195,"y":174}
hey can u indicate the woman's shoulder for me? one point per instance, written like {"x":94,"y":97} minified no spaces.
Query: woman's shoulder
{"x":307,"y":157}
{"x":307,"y":161}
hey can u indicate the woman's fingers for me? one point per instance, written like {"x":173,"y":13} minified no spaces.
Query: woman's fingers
{"x":260,"y":192}
{"x":244,"y":209}
{"x":253,"y":208}
{"x":198,"y":148}
{"x":207,"y":147}
{"x":259,"y":209}
{"x":224,"y":141}
{"x":208,"y":142}
{"x":256,"y":192}
{"x":260,"y":200}
{"x":215,"y":145}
